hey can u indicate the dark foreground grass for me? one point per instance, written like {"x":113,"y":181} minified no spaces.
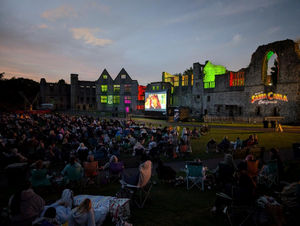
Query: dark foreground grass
{"x":167,"y":205}
{"x":171,"y":205}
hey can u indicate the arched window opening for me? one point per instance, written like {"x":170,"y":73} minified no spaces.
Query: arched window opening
{"x":270,"y":70}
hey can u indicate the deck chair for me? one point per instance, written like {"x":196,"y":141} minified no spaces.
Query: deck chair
{"x":139,"y":193}
{"x":91,"y":171}
{"x":252,"y":170}
{"x":194,"y":175}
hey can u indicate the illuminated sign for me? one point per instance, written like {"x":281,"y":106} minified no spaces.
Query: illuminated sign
{"x":268,"y":98}
{"x":156,"y":101}
{"x":210,"y":71}
{"x":237,"y":78}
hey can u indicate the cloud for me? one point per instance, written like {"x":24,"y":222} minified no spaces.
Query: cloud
{"x":273,"y":30}
{"x":42,"y":26}
{"x":98,"y":6}
{"x":221,"y":9}
{"x":238,"y":6}
{"x":64,"y":11}
{"x":236,"y":38}
{"x":87,"y":34}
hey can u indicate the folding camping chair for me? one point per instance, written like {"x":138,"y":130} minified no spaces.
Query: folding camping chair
{"x":252,"y":169}
{"x":194,"y":173}
{"x":236,"y":212}
{"x":91,"y":172}
{"x":269,"y":174}
{"x":140,"y":192}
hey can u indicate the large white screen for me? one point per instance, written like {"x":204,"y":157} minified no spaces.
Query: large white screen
{"x":156,"y":101}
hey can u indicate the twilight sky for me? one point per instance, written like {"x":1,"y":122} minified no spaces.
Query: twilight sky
{"x":52,"y":39}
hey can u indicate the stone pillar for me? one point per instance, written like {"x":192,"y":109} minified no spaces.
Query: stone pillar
{"x":74,"y":90}
{"x":198,"y":89}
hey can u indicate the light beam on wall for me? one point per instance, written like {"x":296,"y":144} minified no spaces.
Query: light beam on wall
{"x":210,"y":71}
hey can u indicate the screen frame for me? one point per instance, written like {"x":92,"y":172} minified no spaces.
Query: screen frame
{"x":147,"y":93}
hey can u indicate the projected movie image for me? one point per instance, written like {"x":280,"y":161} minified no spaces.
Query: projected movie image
{"x":156,"y":101}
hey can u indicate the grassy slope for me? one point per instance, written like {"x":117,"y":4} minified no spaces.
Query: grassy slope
{"x":266,"y":139}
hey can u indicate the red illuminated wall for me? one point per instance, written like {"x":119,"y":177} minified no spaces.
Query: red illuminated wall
{"x":237,"y":78}
{"x":141,"y":95}
{"x":140,"y":107}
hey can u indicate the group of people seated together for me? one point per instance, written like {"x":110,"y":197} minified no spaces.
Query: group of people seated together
{"x":59,"y":153}
{"x":226,"y":145}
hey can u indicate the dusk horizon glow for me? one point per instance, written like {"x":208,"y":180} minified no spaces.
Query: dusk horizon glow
{"x":53,"y":39}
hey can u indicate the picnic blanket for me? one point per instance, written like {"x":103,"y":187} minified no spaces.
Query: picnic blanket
{"x":118,"y":207}
{"x":103,"y":205}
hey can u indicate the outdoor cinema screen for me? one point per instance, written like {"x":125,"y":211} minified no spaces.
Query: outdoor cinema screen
{"x":156,"y":101}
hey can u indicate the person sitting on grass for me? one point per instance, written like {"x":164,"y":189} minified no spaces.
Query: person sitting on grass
{"x":276,"y":156}
{"x":138,"y":148}
{"x":211,"y":145}
{"x":39,"y":175}
{"x":91,"y":168}
{"x":113,"y":159}
{"x":83,"y":214}
{"x":25,"y":205}
{"x":73,"y":171}
{"x":195,"y":133}
{"x":237,"y":144}
{"x":242,"y":190}
{"x":248,"y":142}
{"x":225,"y":170}
{"x":49,"y":218}
{"x":82,"y":152}
{"x":224,"y":145}
{"x":255,"y":139}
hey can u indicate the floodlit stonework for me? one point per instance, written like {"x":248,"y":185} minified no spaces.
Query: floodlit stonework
{"x":234,"y":102}
{"x":269,"y":86}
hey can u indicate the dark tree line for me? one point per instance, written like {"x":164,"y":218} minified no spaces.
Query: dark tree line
{"x":14,"y":91}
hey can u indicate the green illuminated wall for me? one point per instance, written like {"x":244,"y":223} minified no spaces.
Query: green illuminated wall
{"x":210,"y":71}
{"x":269,"y":55}
{"x":110,"y":99}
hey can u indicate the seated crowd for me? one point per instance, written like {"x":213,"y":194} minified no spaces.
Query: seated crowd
{"x":62,"y":150}
{"x":54,"y":138}
{"x":246,"y":189}
{"x":226,"y":145}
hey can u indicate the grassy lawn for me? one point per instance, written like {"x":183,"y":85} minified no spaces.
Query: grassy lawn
{"x":162,"y":122}
{"x":165,"y":123}
{"x":171,"y":205}
{"x":283,"y":141}
{"x":267,"y":139}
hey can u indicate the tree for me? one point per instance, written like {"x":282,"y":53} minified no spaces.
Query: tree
{"x":10,"y":89}
{"x":188,"y":71}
